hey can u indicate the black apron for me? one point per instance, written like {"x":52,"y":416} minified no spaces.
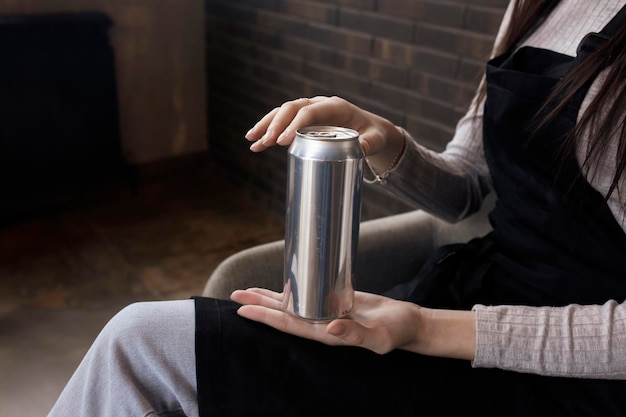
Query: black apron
{"x":553,"y":244}
{"x":555,"y":240}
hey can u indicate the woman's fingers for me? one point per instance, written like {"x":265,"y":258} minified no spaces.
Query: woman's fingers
{"x":313,"y":111}
{"x":378,"y":323}
{"x":268,"y":293}
{"x":345,"y":332}
{"x":259,"y":129}
{"x":260,"y":297}
{"x":280,"y":125}
{"x":271,"y":128}
{"x":266,"y":306}
{"x":288,"y":323}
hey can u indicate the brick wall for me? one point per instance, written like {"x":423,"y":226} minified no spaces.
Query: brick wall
{"x":416,"y":62}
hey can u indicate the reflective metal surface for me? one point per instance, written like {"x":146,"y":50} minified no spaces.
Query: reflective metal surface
{"x":325,"y":170}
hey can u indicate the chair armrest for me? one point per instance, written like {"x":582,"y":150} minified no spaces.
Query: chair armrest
{"x":258,"y":266}
{"x":391,"y":251}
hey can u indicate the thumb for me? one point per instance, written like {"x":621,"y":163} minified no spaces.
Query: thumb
{"x":370,"y":144}
{"x":351,"y":332}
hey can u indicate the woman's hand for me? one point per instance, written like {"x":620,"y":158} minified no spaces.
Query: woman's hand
{"x":378,"y":136}
{"x":377,"y":323}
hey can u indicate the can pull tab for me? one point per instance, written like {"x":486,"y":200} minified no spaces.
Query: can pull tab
{"x":319,"y":134}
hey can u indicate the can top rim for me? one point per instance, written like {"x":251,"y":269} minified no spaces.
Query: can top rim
{"x":329,"y":133}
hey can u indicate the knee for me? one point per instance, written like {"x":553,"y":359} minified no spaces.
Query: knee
{"x":130,"y":327}
{"x":132,"y":319}
{"x":145,"y":325}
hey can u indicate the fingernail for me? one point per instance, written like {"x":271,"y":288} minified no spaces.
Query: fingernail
{"x":256,"y":146}
{"x":365,"y":145}
{"x":249,"y":133}
{"x":337,"y":329}
{"x":281,"y":138}
{"x":266,"y":136}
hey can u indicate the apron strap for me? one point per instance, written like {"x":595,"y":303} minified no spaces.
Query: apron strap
{"x":615,"y":24}
{"x":594,"y":40}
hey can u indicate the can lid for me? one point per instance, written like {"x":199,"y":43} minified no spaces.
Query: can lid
{"x":318,"y":134}
{"x":327,"y":133}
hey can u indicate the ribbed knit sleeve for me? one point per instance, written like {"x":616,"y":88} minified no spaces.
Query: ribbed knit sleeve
{"x":573,"y":341}
{"x":452,"y":184}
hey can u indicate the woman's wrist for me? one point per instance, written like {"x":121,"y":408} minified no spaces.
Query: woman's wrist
{"x":445,"y":333}
{"x":384,"y":161}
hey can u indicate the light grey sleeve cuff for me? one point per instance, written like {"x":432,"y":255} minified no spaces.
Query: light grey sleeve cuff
{"x":572,"y":341}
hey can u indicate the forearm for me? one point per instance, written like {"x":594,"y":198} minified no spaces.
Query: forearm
{"x":444,"y":333}
{"x":576,"y":341}
{"x":450,"y":184}
{"x":571,"y":341}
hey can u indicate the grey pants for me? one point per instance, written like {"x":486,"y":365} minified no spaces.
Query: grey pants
{"x":141,"y":364}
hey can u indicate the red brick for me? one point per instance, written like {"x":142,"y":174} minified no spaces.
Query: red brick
{"x":372,"y":69}
{"x":434,"y":110}
{"x":471,"y":71}
{"x":310,"y":10}
{"x":483,"y":20}
{"x":377,"y":24}
{"x":500,"y":4}
{"x":416,"y":57}
{"x":340,"y":38}
{"x":459,"y":42}
{"x":336,"y":81}
{"x":433,"y":11}
{"x":361,"y":4}
{"x":306,"y":49}
{"x":458,"y":94}
{"x":432,"y":135}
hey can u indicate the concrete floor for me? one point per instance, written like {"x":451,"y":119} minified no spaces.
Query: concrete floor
{"x":64,"y":275}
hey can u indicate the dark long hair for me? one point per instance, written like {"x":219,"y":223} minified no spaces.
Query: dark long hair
{"x":605,"y":118}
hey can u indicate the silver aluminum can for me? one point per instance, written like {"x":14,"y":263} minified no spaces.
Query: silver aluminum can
{"x":324,"y":182}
